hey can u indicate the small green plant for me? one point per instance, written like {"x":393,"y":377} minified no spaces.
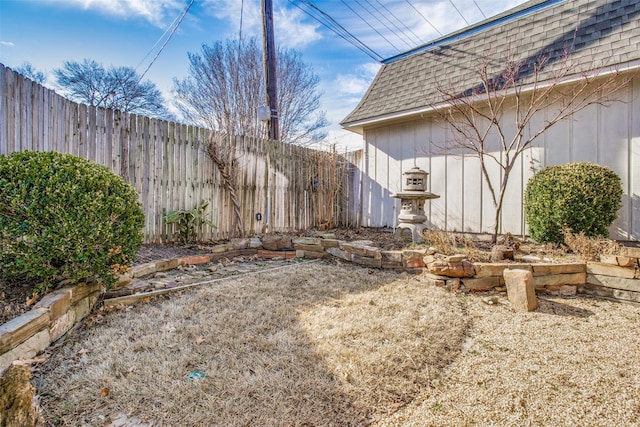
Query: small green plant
{"x":190,"y":222}
{"x":64,"y":218}
{"x":584,"y":197}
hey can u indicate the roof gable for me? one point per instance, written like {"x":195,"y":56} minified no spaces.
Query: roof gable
{"x":597,"y":32}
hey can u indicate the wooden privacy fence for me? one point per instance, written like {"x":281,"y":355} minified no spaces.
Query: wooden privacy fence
{"x":280,"y":187}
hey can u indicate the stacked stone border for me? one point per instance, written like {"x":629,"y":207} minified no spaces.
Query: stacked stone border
{"x":615,"y":277}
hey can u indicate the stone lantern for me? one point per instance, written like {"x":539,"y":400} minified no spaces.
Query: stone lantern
{"x":413,"y":196}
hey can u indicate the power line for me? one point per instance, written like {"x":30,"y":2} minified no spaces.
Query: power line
{"x":457,"y":10}
{"x":370,"y":26}
{"x":175,"y":28}
{"x":417,"y":38}
{"x":398,"y":32}
{"x":424,"y":17}
{"x":483,"y":15}
{"x":327,"y":21}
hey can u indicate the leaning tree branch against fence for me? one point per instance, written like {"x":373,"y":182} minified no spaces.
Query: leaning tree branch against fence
{"x":222,"y":153}
{"x":494,"y":120}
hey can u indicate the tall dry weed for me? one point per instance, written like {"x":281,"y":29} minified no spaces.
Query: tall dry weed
{"x":589,"y":248}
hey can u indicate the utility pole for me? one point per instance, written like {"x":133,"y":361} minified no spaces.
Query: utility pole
{"x":269,"y":56}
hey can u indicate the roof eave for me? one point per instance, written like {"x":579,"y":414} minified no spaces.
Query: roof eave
{"x":358,"y":126}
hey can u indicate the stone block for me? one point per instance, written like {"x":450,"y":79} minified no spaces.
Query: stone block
{"x":484,"y":269}
{"x":520,"y":290}
{"x":612,"y":270}
{"x":57,"y":302}
{"x":501,"y":253}
{"x":274,"y":243}
{"x":391,"y":256}
{"x":368,"y":261}
{"x":143,"y":269}
{"x":622,"y":261}
{"x":356,"y":242}
{"x":276,"y":254}
{"x":559,"y":279}
{"x":480,"y":284}
{"x":27,"y":350}
{"x":123,"y":280}
{"x":632,"y":285}
{"x":306,"y":241}
{"x":411,"y":254}
{"x":220,"y":249}
{"x":392,"y":265}
{"x":21,"y":328}
{"x":304,"y":247}
{"x":61,"y":325}
{"x":452,"y":269}
{"x":544,"y":269}
{"x":330,"y":243}
{"x":83,"y":290}
{"x":81,"y":309}
{"x":433,"y":279}
{"x":167,"y":264}
{"x":631,"y":252}
{"x":339,"y":253}
{"x":362,"y":250}
{"x":195,"y":260}
{"x":254,"y":243}
{"x":414,"y":263}
{"x":18,"y":406}
{"x":602,"y":291}
{"x":240,"y":243}
{"x":455,"y":258}
{"x":312,"y":254}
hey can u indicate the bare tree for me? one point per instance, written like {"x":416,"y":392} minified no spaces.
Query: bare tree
{"x":119,"y":88}
{"x":525,"y":89}
{"x":28,"y":70}
{"x":226,"y":87}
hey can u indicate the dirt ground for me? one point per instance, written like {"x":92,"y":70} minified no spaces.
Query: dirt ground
{"x":337,"y":345}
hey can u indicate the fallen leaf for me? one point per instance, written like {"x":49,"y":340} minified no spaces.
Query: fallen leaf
{"x":167,"y":328}
{"x":104,"y":392}
{"x":200,"y":339}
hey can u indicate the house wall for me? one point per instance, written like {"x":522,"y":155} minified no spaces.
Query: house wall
{"x":607,"y":135}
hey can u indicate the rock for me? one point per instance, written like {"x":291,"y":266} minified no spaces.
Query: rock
{"x":500,"y":253}
{"x":520,"y":290}
{"x":17,"y":403}
{"x":161,"y":275}
{"x":451,"y":269}
{"x":455,"y":258}
{"x":622,"y":261}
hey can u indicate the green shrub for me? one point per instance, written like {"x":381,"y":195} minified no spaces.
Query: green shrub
{"x":584,"y":197}
{"x":63,"y":217}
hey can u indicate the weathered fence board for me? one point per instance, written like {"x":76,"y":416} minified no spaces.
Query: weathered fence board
{"x":292,"y":187}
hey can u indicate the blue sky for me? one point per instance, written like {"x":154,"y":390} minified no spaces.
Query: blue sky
{"x":122,"y":32}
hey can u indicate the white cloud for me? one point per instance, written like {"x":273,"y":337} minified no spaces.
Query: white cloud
{"x":157,"y":12}
{"x":290,"y":29}
{"x":357,"y":83}
{"x":8,"y":44}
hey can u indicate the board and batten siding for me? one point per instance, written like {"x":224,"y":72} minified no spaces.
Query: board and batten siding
{"x":607,"y":135}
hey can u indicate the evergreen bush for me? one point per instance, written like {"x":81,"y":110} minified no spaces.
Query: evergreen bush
{"x":63,"y":217}
{"x":584,"y":197}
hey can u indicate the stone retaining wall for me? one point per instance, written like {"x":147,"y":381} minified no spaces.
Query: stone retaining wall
{"x":615,"y":277}
{"x":27,"y":335}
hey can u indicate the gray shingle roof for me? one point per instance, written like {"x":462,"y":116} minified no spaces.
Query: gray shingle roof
{"x":598,"y":32}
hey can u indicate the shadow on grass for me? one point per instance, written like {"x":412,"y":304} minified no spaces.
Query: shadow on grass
{"x":551,"y":306}
{"x":314,"y":345}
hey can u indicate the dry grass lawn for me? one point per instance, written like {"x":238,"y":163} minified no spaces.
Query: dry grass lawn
{"x":325,"y":345}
